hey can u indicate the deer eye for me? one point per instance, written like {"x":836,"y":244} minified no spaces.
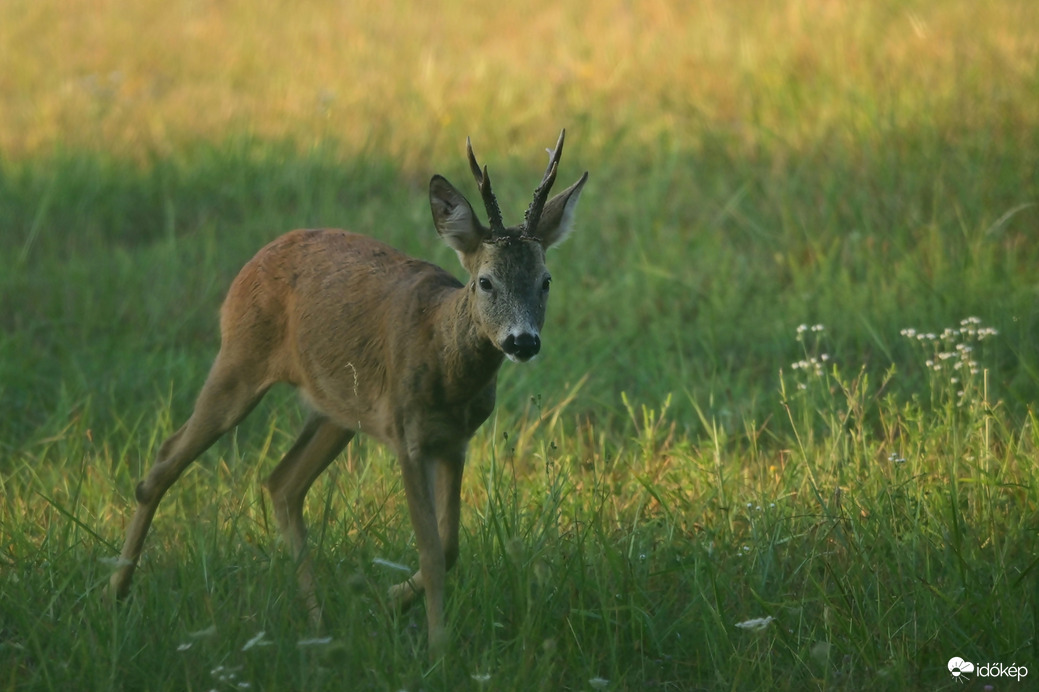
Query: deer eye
{"x":485,"y":284}
{"x":546,"y":284}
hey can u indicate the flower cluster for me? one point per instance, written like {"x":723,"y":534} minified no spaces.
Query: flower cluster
{"x":952,"y":353}
{"x":812,"y":363}
{"x":802,"y":328}
{"x":229,"y":676}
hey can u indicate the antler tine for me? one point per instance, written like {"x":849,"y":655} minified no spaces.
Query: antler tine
{"x":483,"y":181}
{"x":533,"y":215}
{"x":553,"y":158}
{"x":475,"y":167}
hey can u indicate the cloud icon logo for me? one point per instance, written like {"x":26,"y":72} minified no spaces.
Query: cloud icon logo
{"x":958,"y":667}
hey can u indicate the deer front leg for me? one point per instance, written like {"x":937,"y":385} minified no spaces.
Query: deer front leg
{"x":433,"y":487}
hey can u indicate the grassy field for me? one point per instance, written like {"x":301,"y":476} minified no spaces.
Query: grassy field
{"x":783,"y":431}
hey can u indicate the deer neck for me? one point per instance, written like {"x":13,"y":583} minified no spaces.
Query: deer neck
{"x":470,"y":360}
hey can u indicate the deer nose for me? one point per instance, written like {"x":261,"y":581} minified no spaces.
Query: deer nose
{"x":521,"y":347}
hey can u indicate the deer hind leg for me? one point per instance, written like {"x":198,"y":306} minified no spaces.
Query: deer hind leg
{"x":433,"y":490}
{"x":317,"y":446}
{"x":225,"y":399}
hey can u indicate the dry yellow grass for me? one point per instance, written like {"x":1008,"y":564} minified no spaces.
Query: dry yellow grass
{"x":412,"y":79}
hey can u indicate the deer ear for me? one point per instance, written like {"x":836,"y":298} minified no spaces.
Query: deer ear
{"x":454,"y":218}
{"x":558,"y":217}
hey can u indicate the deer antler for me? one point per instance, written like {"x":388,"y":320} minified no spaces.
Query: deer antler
{"x":533,"y":215}
{"x":483,"y":181}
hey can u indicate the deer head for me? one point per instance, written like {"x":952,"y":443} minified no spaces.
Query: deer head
{"x":509,"y":282}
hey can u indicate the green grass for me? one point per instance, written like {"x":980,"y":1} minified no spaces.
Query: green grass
{"x":663,"y":471}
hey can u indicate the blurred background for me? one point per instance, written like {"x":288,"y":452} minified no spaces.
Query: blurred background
{"x":754,"y":166}
{"x":411,"y":80}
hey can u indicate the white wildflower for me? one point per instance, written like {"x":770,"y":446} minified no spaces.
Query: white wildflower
{"x":258,"y":640}
{"x":755,"y":624}
{"x":391,"y":565}
{"x":316,"y":641}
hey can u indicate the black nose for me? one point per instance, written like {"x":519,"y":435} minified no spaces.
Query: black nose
{"x":523,"y":347}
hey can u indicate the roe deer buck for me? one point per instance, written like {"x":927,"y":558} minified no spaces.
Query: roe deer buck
{"x":378,"y":343}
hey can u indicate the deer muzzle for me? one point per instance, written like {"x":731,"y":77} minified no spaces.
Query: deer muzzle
{"x":521,"y":347}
